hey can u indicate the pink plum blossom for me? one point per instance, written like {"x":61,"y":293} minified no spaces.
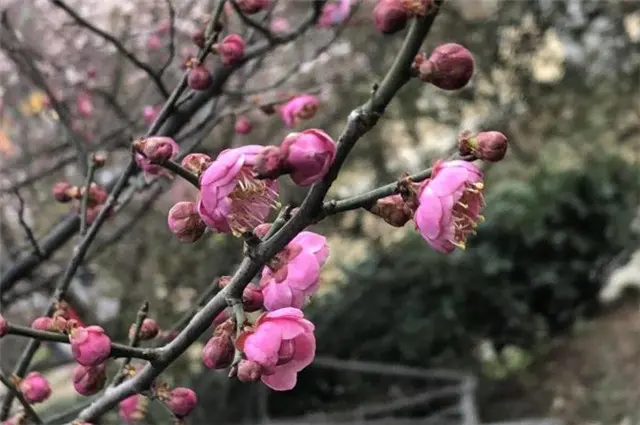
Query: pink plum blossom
{"x":299,"y":108}
{"x":296,"y":274}
{"x":35,"y":388}
{"x":279,"y":25}
{"x":333,"y":14}
{"x":282,"y":343}
{"x":89,"y":380}
{"x":450,"y":203}
{"x":232,"y":199}
{"x":181,"y":401}
{"x":308,"y":155}
{"x":84,"y":104}
{"x":90,"y":346}
{"x":185,"y":222}
{"x":150,"y":113}
{"x":243,"y":125}
{"x":133,"y":409}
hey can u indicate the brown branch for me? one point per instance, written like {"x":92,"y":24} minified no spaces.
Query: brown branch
{"x":27,"y":229}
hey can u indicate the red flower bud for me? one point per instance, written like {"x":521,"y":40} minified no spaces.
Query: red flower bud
{"x":249,"y":371}
{"x":196,"y":163}
{"x":490,"y":146}
{"x":220,"y":318}
{"x":87,"y":380}
{"x":181,"y":401}
{"x":269,"y":163}
{"x":156,"y":149}
{"x":250,"y":7}
{"x":450,"y":67}
{"x":218,"y":352}
{"x":62,"y":192}
{"x":390,"y":16}
{"x":92,"y":72}
{"x":231,"y":49}
{"x":243,"y":125}
{"x":148,"y":330}
{"x":199,"y":78}
{"x":185,"y":222}
{"x":252,"y":298}
{"x":393,"y":210}
{"x":97,"y":195}
{"x":90,"y":346}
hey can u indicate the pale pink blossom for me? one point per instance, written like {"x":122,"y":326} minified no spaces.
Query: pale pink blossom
{"x":308,"y":155}
{"x":333,"y":14}
{"x":450,"y":203}
{"x":84,"y":104}
{"x":181,"y":401}
{"x":154,"y":42}
{"x":88,"y":380}
{"x":90,"y":346}
{"x":133,"y":409}
{"x":279,"y":25}
{"x":150,"y":113}
{"x":282,"y":343}
{"x":299,"y":108}
{"x":35,"y":388}
{"x":295,"y":276}
{"x":232,"y":199}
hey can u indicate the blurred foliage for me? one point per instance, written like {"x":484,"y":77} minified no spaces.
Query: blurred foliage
{"x":530,"y":273}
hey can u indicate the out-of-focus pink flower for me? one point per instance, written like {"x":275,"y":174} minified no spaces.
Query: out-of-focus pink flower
{"x":295,"y":276}
{"x":279,"y":25}
{"x":299,"y":108}
{"x":4,"y":326}
{"x":181,"y":401}
{"x":150,"y":113}
{"x":62,"y":192}
{"x":308,"y":155}
{"x":231,"y":49}
{"x":334,"y":14}
{"x":84,"y":104}
{"x":283,"y":344}
{"x":390,"y":16}
{"x":17,"y":419}
{"x":90,"y":346}
{"x":450,"y":203}
{"x":89,"y":380}
{"x":250,"y":7}
{"x":232,"y":199}
{"x":154,"y":42}
{"x":133,"y":409}
{"x":35,"y":388}
{"x":49,"y":324}
{"x":185,"y":222}
{"x":243,"y":125}
{"x":155,"y":148}
{"x":92,"y":72}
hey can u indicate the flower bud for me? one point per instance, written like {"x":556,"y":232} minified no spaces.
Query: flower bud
{"x":490,"y":146}
{"x":198,"y":38}
{"x":218,"y":352}
{"x":220,"y":318}
{"x":393,"y":210}
{"x":199,"y":78}
{"x":417,"y":7}
{"x":269,"y":163}
{"x":88,"y":381}
{"x":231,"y":49}
{"x":97,"y":195}
{"x":133,"y":409}
{"x":90,"y":346}
{"x":185,"y":222}
{"x":99,"y":159}
{"x":4,"y":326}
{"x":62,"y":192}
{"x":279,"y":25}
{"x":450,"y":67}
{"x":249,"y":371}
{"x":92,"y":72}
{"x":50,"y":324}
{"x":149,"y":113}
{"x":308,"y":155}
{"x":148,"y":330}
{"x":252,"y":298}
{"x":181,"y":401}
{"x":243,"y":125}
{"x":196,"y":163}
{"x":250,"y":7}
{"x":390,"y":16}
{"x":156,"y":149}
{"x":84,"y":104}
{"x":35,"y":388}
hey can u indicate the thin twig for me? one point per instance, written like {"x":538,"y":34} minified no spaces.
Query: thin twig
{"x":86,"y":195}
{"x":172,"y":37}
{"x":114,"y":41}
{"x":27,"y":229}
{"x":134,"y":339}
